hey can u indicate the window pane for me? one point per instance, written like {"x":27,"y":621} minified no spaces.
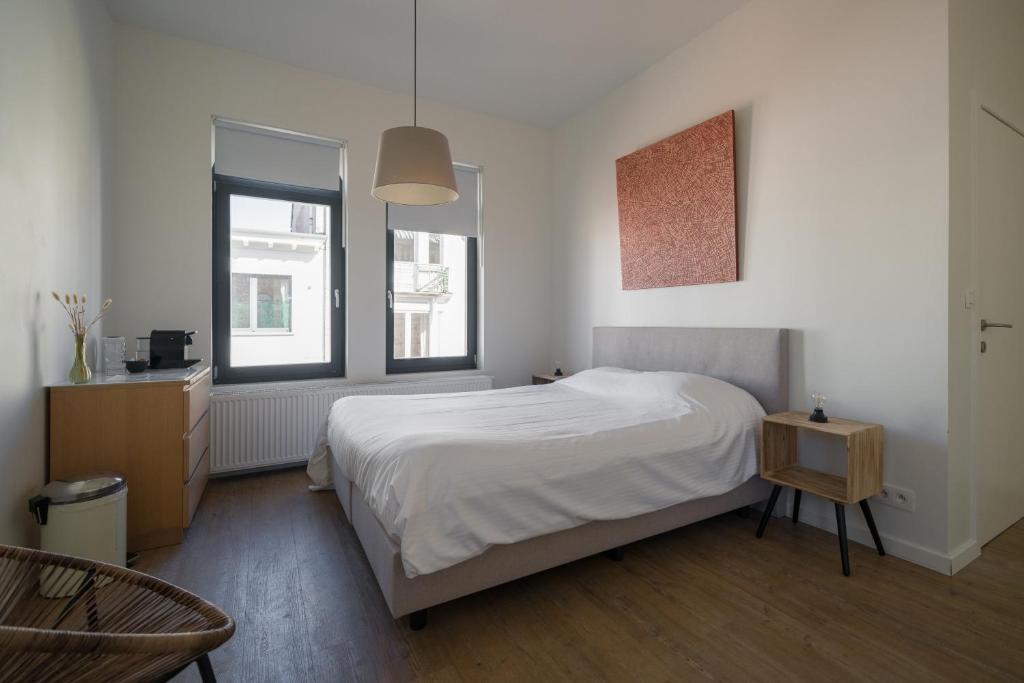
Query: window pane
{"x":405,"y":246}
{"x":281,"y":249}
{"x":430,"y":296}
{"x":273,"y":302}
{"x":400,"y":351}
{"x":419,"y":329}
{"x":240,"y":301}
{"x":278,"y":215}
{"x":434,"y":255}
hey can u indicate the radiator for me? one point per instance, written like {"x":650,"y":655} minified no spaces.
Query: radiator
{"x":254,"y":428}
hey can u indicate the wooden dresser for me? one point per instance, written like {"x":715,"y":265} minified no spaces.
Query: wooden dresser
{"x":154,"y":428}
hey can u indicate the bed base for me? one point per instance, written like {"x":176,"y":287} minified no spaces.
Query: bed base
{"x":753,"y":359}
{"x":503,"y":563}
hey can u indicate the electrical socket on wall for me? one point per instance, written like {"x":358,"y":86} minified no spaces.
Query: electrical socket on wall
{"x":897,"y":497}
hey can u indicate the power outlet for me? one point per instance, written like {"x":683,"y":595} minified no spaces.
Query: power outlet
{"x":897,"y":497}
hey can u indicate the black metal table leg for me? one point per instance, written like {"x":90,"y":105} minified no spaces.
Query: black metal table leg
{"x":206,"y":669}
{"x":768,"y":510}
{"x":871,"y":526}
{"x":844,"y":550}
{"x":796,"y":505}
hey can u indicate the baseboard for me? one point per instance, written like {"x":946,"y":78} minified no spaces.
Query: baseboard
{"x":965,"y":554}
{"x":825,"y":519}
{"x":297,"y":461}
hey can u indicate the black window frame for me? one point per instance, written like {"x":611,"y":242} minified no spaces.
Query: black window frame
{"x":223,"y":373}
{"x":395,"y":366}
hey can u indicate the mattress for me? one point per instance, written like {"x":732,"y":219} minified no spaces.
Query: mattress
{"x":450,"y":475}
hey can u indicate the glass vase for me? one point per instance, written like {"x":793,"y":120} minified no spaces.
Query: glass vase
{"x":80,"y":372}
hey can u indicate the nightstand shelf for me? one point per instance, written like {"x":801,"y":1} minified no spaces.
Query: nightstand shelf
{"x":780,"y":464}
{"x":821,"y":484}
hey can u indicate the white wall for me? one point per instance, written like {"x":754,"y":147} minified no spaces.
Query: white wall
{"x":986,"y":44}
{"x":842,"y":142}
{"x":166,"y":91}
{"x":54,"y":80}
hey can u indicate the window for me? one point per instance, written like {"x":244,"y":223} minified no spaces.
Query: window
{"x":277,"y":268}
{"x":432,"y":282}
{"x":411,"y":334}
{"x":405,"y":247}
{"x":434,"y":244}
{"x":260,"y":303}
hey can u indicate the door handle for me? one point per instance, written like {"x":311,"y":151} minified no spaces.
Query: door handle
{"x":986,"y":324}
{"x":337,"y":298}
{"x":391,"y":299}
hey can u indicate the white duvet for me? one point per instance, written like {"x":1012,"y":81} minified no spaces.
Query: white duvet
{"x":449,"y":475}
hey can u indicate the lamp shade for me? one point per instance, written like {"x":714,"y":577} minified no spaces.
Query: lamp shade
{"x":414,"y":166}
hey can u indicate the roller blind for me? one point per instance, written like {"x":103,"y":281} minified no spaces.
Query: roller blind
{"x":461,"y":217}
{"x":276,"y":156}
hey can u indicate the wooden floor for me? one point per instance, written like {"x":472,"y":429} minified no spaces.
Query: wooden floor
{"x":708,"y":602}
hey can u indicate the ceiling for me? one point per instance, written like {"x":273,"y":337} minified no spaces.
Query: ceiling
{"x":535,"y":61}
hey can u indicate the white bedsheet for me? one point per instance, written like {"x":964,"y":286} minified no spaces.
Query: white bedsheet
{"x":449,"y":475}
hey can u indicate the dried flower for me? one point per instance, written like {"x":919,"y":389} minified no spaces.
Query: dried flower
{"x":75,"y":309}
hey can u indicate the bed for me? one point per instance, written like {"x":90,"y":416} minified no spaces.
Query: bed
{"x":452,"y":494}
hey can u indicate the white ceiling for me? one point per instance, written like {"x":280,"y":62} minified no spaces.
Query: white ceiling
{"x":537,"y":61}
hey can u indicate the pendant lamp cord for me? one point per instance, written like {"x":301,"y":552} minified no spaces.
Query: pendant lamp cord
{"x":414,"y":56}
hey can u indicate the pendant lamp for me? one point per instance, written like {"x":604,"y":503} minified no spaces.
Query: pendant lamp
{"x":414,"y":164}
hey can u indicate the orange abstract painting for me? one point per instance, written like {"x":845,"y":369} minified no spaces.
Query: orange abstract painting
{"x":677,"y":208}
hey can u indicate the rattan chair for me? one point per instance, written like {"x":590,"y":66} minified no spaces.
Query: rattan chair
{"x":103,"y":623}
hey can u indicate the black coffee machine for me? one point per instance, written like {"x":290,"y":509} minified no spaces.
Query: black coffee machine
{"x":168,"y":349}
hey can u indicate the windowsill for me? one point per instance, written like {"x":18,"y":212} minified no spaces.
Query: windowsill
{"x":328,"y":382}
{"x":263,"y":333}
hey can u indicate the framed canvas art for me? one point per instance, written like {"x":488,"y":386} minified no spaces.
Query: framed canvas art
{"x":677,"y":208}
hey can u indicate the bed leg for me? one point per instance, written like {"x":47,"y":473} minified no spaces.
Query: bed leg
{"x":615,"y":554}
{"x":418,"y":620}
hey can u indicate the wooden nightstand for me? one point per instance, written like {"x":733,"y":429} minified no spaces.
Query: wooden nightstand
{"x":547,"y":379}
{"x":780,"y":464}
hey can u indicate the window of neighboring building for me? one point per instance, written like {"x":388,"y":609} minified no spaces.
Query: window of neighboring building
{"x":405,"y":246}
{"x":412,"y":330}
{"x":434,"y":246}
{"x":278,"y":258}
{"x":432,"y":282}
{"x":260,"y":303}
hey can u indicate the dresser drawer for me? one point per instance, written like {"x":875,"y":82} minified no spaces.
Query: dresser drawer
{"x":197,"y":442}
{"x":192,"y":492}
{"x":197,"y":401}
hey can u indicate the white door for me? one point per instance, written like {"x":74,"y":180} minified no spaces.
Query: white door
{"x":999,"y":234}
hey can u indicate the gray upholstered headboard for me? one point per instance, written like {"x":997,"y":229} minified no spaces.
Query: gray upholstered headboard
{"x":755,"y":359}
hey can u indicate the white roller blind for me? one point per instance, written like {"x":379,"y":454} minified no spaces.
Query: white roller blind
{"x":276,"y":156}
{"x":461,"y":217}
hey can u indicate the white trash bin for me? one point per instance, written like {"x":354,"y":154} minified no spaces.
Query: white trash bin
{"x":85,"y":517}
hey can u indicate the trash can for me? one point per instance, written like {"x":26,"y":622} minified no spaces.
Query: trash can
{"x":82,"y":516}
